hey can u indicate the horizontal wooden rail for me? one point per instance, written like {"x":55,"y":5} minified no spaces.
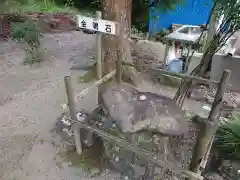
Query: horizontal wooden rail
{"x":178,"y":75}
{"x":86,"y":90}
{"x":141,"y":152}
{"x":97,"y":83}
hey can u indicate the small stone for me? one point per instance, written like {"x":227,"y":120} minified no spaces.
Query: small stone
{"x":117,"y":149}
{"x":237,"y":101}
{"x":209,"y":99}
{"x":212,"y":176}
{"x":66,"y":122}
{"x":116,"y":159}
{"x":95,"y":172}
{"x":238,"y":171}
{"x":223,"y":119}
{"x":64,"y":107}
{"x":142,"y":98}
{"x":206,"y":107}
{"x":197,"y":94}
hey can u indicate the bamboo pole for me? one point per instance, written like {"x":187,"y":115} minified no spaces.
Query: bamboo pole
{"x":97,"y":83}
{"x":99,"y":48}
{"x":73,"y":113}
{"x":211,"y":29}
{"x":86,"y":90}
{"x":209,"y":128}
{"x":158,"y":160}
{"x":178,"y":75}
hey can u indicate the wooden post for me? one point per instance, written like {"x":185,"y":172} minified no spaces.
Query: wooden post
{"x":120,"y":56}
{"x":187,"y":59}
{"x":147,"y":36}
{"x":119,"y":62}
{"x":209,"y":128}
{"x":73,"y":113}
{"x":99,"y":48}
{"x":165,"y":55}
{"x":211,"y":29}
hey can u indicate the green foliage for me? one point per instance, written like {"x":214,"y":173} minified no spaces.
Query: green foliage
{"x":88,"y":4}
{"x":140,"y":11}
{"x":33,"y":55}
{"x":139,"y":8}
{"x":231,"y":11}
{"x":29,"y":33}
{"x":37,"y":6}
{"x":228,"y":138}
{"x":91,"y":75}
{"x":166,"y":5}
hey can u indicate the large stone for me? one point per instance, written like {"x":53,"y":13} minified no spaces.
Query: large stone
{"x":198,"y":94}
{"x":213,"y":176}
{"x":237,"y":101}
{"x":135,"y":111}
{"x":230,"y":169}
{"x":149,"y":54}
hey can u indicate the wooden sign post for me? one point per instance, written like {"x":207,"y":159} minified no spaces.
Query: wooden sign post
{"x":100,"y":26}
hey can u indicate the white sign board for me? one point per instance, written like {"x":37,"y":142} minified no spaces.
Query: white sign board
{"x":94,"y":24}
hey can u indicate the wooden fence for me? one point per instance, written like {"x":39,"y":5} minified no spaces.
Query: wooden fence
{"x":204,"y":140}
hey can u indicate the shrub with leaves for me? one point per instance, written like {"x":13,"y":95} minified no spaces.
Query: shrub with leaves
{"x":228,"y":138}
{"x":28,"y":32}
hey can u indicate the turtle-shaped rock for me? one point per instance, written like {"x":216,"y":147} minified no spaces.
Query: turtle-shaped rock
{"x":136,"y":111}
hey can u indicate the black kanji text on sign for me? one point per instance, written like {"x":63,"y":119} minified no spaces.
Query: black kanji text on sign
{"x":95,"y":25}
{"x":108,"y":28}
{"x":83,"y":24}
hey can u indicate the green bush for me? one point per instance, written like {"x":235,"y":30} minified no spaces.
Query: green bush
{"x":29,"y":33}
{"x":227,"y":139}
{"x":33,"y":55}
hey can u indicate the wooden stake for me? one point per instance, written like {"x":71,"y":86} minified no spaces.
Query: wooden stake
{"x":165,"y":55}
{"x":209,"y":128}
{"x":149,"y":156}
{"x":119,"y":63}
{"x":73,"y":113}
{"x":99,"y":48}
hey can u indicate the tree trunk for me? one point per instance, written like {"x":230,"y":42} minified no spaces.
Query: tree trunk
{"x":119,"y":11}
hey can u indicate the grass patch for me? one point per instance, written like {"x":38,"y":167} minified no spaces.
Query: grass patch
{"x":34,"y":6}
{"x":228,"y":138}
{"x":29,"y":33}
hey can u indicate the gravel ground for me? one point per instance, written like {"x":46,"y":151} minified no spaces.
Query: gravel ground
{"x":30,"y":99}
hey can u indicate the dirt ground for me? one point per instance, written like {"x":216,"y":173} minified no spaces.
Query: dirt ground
{"x":30,"y":99}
